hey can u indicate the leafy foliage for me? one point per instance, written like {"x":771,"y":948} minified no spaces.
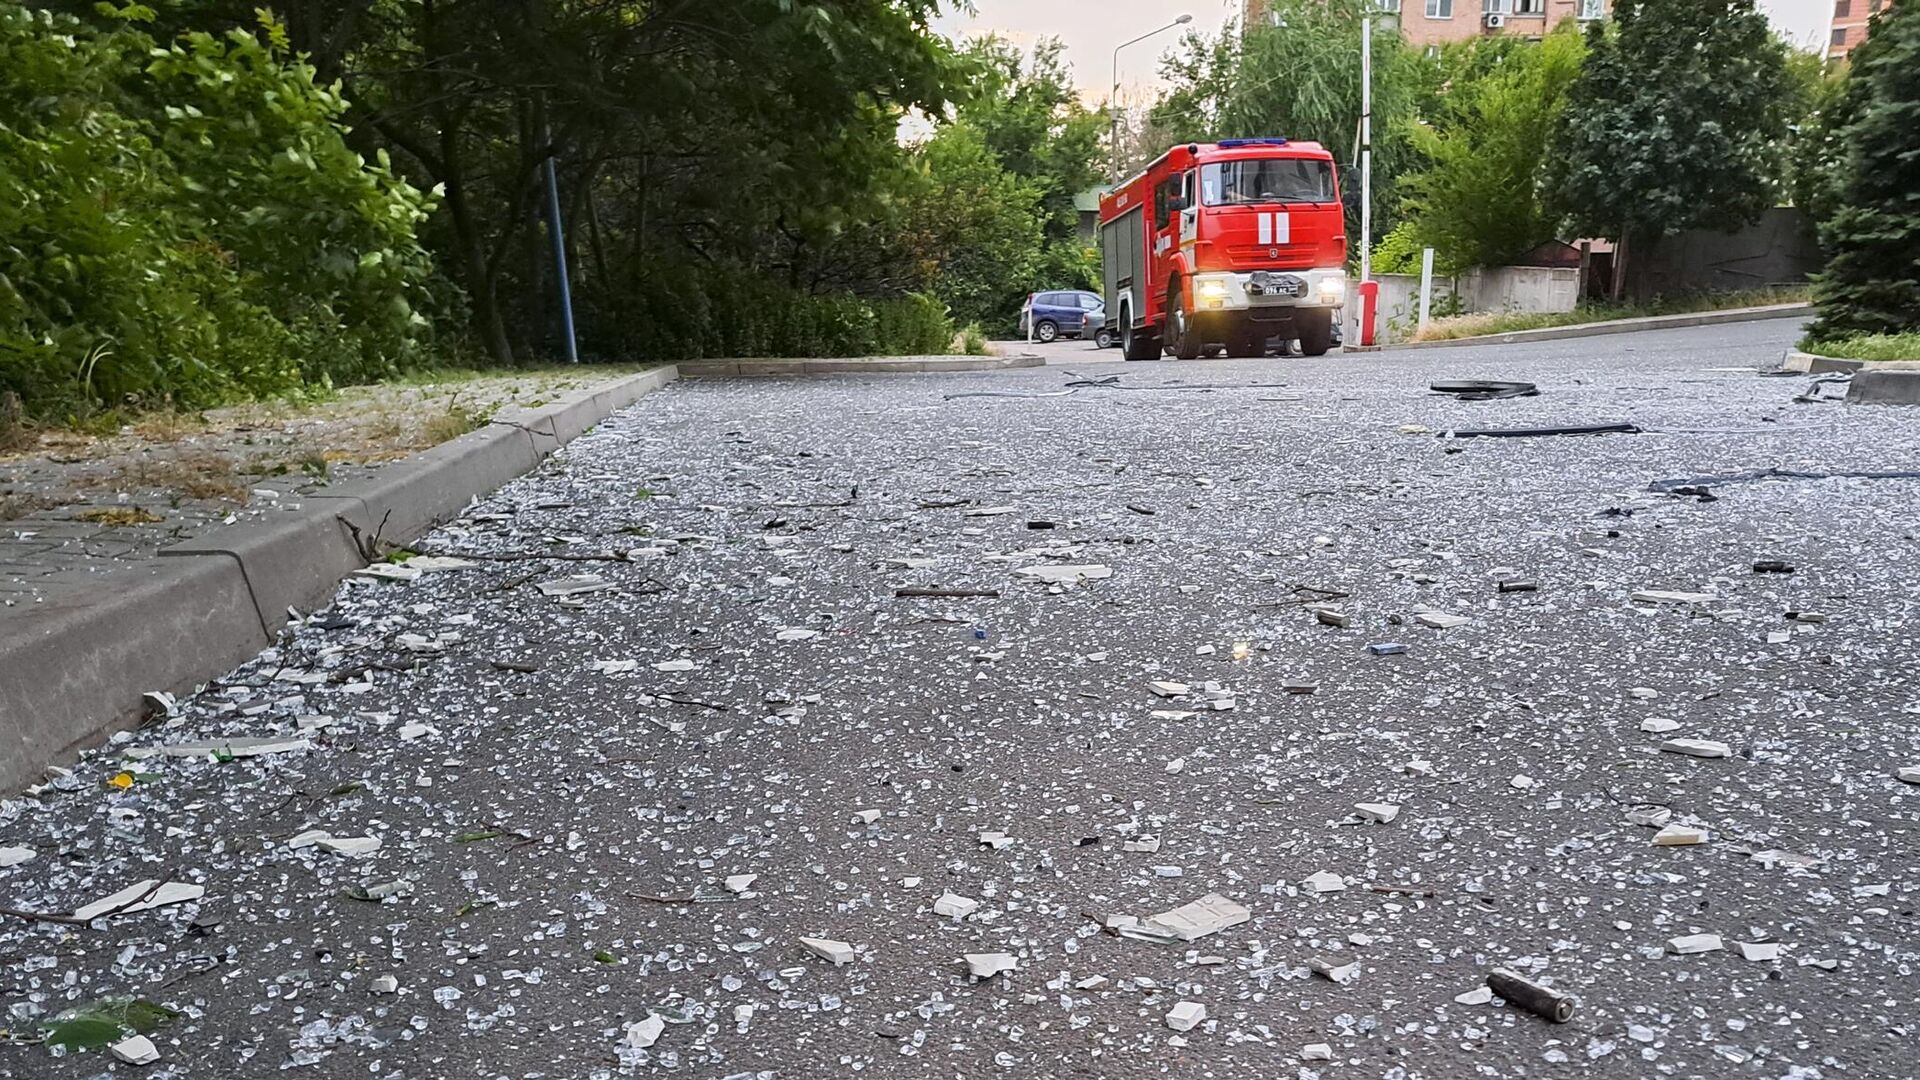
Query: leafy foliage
{"x":97,"y":1024}
{"x":185,"y":222}
{"x":1674,"y":122}
{"x":1478,"y":201}
{"x":1872,"y":281}
{"x":1299,"y":77}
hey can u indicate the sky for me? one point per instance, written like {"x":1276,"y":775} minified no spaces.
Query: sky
{"x":1092,"y":28}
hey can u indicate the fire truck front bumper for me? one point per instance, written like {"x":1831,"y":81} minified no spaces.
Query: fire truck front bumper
{"x":1258,"y":290}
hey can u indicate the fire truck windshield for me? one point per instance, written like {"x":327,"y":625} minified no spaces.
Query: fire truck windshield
{"x":1267,"y":180}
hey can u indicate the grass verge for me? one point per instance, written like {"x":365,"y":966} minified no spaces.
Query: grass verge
{"x":1867,"y":347}
{"x":1508,"y":322}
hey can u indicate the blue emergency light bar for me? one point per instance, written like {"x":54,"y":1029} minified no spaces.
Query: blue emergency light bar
{"x":1235,"y":144}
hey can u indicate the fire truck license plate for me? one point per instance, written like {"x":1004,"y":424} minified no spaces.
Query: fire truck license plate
{"x":1266,"y":284}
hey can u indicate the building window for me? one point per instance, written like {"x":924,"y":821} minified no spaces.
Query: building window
{"x":1842,"y":8}
{"x":1593,"y":9}
{"x":1839,"y":37}
{"x":1439,"y":9}
{"x":1529,"y":7}
{"x":1493,"y":7}
{"x":1391,"y":7}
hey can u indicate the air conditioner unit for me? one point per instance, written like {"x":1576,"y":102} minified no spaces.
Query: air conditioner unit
{"x":1495,"y":22}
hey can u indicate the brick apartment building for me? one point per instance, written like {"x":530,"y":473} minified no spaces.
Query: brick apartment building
{"x":1436,"y":22}
{"x":1849,"y":25}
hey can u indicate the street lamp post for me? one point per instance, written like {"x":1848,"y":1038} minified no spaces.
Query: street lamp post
{"x":1113,"y":99}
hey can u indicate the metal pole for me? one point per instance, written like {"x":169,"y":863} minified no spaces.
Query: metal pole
{"x":1426,"y":286}
{"x":558,"y":232}
{"x":1366,"y":143}
{"x":1113,"y":100}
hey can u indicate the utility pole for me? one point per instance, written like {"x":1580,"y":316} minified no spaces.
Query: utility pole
{"x":1113,"y":98}
{"x":557,"y":231}
{"x":1366,"y":143}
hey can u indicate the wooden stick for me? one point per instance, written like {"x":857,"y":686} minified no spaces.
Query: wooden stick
{"x":1539,"y":1000}
{"x":944,"y":593}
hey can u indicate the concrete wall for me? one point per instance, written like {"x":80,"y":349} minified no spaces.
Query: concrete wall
{"x":1781,"y":248}
{"x":1497,"y":288}
{"x":1520,"y":288}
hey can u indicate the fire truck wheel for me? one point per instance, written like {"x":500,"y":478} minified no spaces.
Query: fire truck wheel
{"x":1316,"y":332}
{"x":1185,"y":339}
{"x":1135,"y":345}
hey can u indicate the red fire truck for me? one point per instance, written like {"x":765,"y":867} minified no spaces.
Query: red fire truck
{"x":1226,"y":245}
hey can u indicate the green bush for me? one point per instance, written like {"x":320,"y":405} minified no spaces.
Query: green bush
{"x":695,"y":315}
{"x":186,"y":223}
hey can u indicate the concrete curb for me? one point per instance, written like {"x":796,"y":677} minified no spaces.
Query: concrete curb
{"x":1617,"y":326}
{"x":73,"y":671}
{"x":728,"y":369}
{"x":1879,"y":385}
{"x":1815,"y":364}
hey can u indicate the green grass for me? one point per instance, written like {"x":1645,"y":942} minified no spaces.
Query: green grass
{"x":1507,"y":322}
{"x":1867,"y":347}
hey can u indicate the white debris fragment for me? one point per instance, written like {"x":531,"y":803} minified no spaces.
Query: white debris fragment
{"x":674,"y":665}
{"x":1700,"y":748}
{"x":156,"y":896}
{"x":325,"y":841}
{"x":1659,"y":725}
{"x":14,"y":856}
{"x":866,"y":817}
{"x":1169,"y":689}
{"x":1339,"y":973}
{"x":1643,"y":693}
{"x":1479,"y":995}
{"x":955,"y":907}
{"x":1316,"y":1052}
{"x":138,"y":1050}
{"x":615,"y":667}
{"x":1177,"y":765}
{"x":1521,"y":782}
{"x":1663,"y":596}
{"x":576,"y":585}
{"x":1065,"y":575}
{"x":1651,"y":817}
{"x":987,"y":965}
{"x":644,"y":1033}
{"x":238,"y":748}
{"x":417,"y":730}
{"x":1440,"y":620}
{"x":996,"y":840}
{"x":1324,"y":882}
{"x":1209,"y":914}
{"x":1377,"y":812}
{"x":384,"y":984}
{"x":1758,"y":951}
{"x":1186,"y":1015}
{"x":1680,"y":836}
{"x":1910,"y":774}
{"x":1145,"y":844}
{"x":740,"y":883}
{"x":990,"y":511}
{"x":1418,"y":767}
{"x":838,"y":952}
{"x":1692,"y":944}
{"x":796,"y":633}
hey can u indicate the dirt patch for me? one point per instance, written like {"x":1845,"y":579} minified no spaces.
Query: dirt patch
{"x":227,"y":457}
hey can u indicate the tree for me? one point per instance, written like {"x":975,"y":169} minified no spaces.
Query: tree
{"x":1673,"y":124}
{"x":1479,"y":200}
{"x":1298,"y":76}
{"x":1872,"y":281}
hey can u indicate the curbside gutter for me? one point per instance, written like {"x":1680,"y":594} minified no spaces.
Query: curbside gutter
{"x":72,"y":671}
{"x":1617,"y":326}
{"x":728,"y":369}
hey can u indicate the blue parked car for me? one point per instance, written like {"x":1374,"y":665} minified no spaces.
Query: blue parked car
{"x":1047,"y":316}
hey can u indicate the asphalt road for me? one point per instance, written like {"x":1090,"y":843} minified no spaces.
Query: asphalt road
{"x":552,"y":823}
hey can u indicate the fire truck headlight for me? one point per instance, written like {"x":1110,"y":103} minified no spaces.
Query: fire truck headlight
{"x":1213,"y":290}
{"x":1333,"y":290}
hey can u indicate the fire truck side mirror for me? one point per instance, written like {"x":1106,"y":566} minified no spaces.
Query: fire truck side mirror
{"x":1178,"y":204}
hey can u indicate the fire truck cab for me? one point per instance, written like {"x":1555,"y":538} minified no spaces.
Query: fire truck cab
{"x":1226,"y":245}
